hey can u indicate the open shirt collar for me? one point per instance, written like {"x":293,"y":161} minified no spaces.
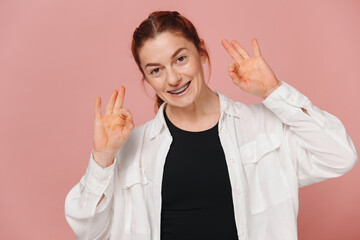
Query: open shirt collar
{"x":227,"y":106}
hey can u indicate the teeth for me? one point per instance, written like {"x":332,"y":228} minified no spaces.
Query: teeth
{"x":181,"y":89}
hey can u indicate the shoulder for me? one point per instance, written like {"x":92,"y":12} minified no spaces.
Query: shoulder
{"x":137,"y":135}
{"x":130,"y":150}
{"x":254,"y":112}
{"x":253,"y":119}
{"x":259,"y":110}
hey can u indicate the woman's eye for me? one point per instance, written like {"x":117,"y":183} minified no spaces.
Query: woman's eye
{"x":155,"y":70}
{"x":182,"y":58}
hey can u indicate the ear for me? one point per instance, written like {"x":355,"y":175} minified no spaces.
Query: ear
{"x":202,"y":56}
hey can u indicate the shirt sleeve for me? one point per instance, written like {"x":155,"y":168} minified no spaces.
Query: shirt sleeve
{"x":318,"y":143}
{"x":87,"y":219}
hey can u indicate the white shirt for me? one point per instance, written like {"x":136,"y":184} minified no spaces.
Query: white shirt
{"x":271,"y":149}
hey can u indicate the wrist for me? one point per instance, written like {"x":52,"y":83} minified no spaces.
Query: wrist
{"x":269,"y":91}
{"x":104,"y":158}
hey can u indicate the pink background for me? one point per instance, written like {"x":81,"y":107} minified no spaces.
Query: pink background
{"x":57,"y":56}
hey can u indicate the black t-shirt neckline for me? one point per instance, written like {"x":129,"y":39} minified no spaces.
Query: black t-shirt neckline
{"x":176,"y":129}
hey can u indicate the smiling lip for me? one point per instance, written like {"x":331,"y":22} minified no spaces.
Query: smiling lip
{"x":172,"y":92}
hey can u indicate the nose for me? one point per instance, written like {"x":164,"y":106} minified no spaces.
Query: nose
{"x":173,"y":77}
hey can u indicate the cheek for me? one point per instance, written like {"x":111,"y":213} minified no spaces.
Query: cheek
{"x":193,"y":68}
{"x":157,"y":85}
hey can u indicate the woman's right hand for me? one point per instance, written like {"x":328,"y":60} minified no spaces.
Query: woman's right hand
{"x":111,"y":130}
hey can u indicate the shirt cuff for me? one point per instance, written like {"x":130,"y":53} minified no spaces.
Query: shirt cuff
{"x":286,"y":102}
{"x":96,"y":177}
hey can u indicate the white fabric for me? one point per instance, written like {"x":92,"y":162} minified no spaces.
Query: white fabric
{"x":271,"y":149}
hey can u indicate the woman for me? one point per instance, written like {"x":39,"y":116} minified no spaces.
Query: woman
{"x":205,"y":167}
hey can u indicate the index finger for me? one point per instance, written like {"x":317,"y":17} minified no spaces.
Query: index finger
{"x":232,"y":51}
{"x":119,"y":100}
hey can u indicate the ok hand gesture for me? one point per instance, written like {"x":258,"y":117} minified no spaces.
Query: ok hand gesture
{"x":112,"y":129}
{"x":252,"y":74}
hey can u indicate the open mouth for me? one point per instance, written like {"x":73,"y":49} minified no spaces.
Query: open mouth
{"x":181,"y":90}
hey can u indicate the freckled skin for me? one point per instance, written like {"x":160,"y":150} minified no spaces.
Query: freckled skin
{"x":173,"y":73}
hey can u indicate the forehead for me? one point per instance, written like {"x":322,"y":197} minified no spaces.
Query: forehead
{"x":161,"y":48}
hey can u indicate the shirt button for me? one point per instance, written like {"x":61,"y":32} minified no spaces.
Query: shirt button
{"x":238,"y":192}
{"x":232,"y":160}
{"x":291,"y":98}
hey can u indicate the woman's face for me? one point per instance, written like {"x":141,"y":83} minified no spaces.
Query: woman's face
{"x":173,"y":67}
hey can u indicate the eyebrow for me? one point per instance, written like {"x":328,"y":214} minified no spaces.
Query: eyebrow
{"x":175,"y":53}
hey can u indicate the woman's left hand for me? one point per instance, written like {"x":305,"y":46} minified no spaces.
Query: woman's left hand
{"x":252,"y":74}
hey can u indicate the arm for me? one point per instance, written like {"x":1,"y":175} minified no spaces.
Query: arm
{"x":88,"y":216}
{"x":317,"y":141}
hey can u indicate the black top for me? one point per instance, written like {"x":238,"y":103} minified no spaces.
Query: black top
{"x":196,"y":191}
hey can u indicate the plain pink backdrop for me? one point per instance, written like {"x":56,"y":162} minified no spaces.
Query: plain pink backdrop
{"x":57,"y":56}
